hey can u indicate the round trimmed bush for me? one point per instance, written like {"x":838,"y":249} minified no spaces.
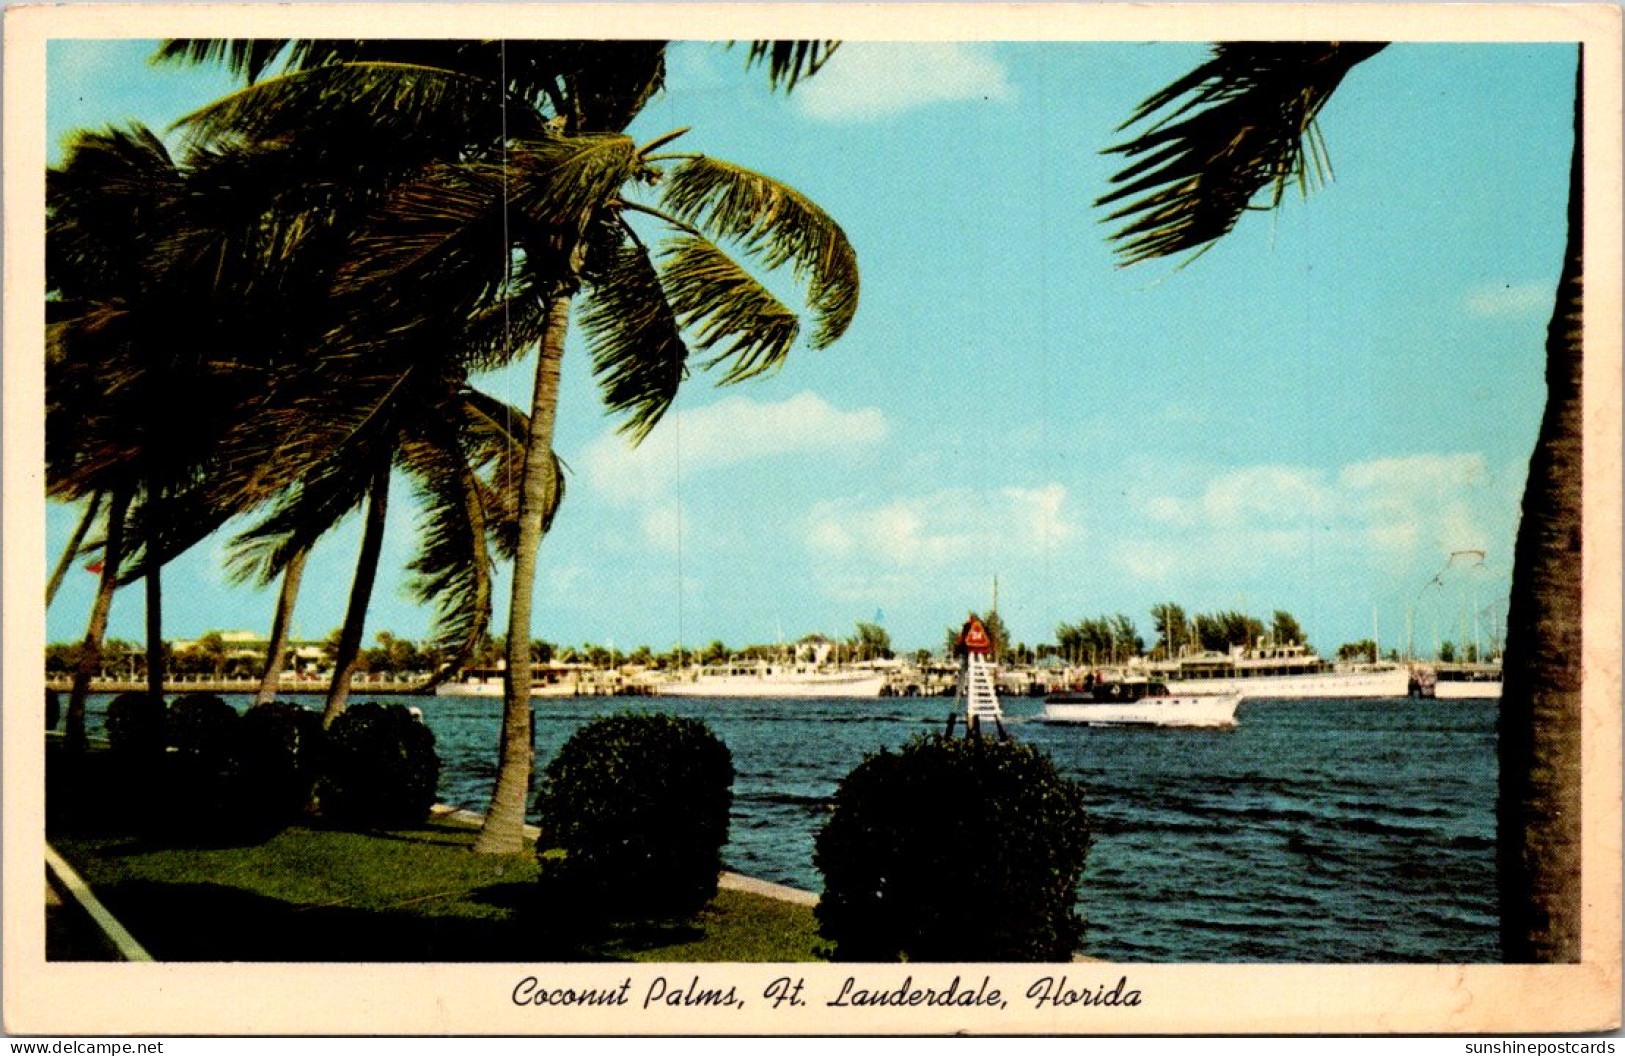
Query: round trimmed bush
{"x":201,"y":776}
{"x":201,"y":724}
{"x":379,"y":768}
{"x":135,"y":724}
{"x":638,"y":804}
{"x":953,"y":850}
{"x":281,"y":746}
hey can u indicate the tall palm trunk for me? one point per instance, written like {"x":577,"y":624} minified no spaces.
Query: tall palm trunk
{"x":503,"y":831}
{"x":276,"y":651}
{"x":1538,"y":814}
{"x":355,"y":617}
{"x":71,"y":551}
{"x":90,"y":654}
{"x":155,"y":599}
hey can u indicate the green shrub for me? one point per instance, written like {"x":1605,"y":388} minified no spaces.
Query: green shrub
{"x":379,"y":769}
{"x":639,"y":806}
{"x":200,"y":780}
{"x":281,"y":747}
{"x":953,"y":850}
{"x":201,"y":724}
{"x":135,"y":724}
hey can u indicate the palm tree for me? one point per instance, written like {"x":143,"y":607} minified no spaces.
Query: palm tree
{"x":136,"y":236}
{"x":112,"y":346}
{"x":276,"y":650}
{"x":1244,"y":120}
{"x":74,"y":547}
{"x":557,"y":185}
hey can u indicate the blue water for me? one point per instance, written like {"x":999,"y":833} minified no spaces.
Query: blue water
{"x":1314,"y":831}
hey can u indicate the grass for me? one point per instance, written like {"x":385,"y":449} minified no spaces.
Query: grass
{"x":415,"y":895}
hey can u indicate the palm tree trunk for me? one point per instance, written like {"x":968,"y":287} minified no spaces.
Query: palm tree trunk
{"x":276,"y":651}
{"x":155,"y":600}
{"x":1538,"y":815}
{"x":503,"y":831}
{"x":355,"y":617}
{"x":91,"y":653}
{"x":71,"y":551}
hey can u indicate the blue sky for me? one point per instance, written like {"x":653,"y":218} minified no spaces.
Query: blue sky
{"x":1310,"y":417}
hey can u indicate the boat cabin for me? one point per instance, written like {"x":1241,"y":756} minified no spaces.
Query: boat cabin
{"x":1115,"y":692}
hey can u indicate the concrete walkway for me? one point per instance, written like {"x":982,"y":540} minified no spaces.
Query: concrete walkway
{"x":727,"y":881}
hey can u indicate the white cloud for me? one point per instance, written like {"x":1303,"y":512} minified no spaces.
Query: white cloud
{"x":864,"y":82}
{"x":1264,"y":494}
{"x":567,"y":581}
{"x":731,"y":431}
{"x":662,"y":526}
{"x":1510,"y":300}
{"x":898,"y":547}
{"x":1391,"y":512}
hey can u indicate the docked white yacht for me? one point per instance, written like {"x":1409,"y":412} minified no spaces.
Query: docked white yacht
{"x":763,"y":678}
{"x":1279,"y":672}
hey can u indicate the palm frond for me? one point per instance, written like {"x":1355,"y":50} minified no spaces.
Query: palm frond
{"x":409,"y":101}
{"x":497,"y":433}
{"x":248,"y":59}
{"x":567,"y":180}
{"x":1242,"y":121}
{"x":614,"y":79}
{"x":112,"y":196}
{"x":497,"y":430}
{"x":719,"y":301}
{"x":304,"y":513}
{"x":637,"y":349}
{"x":497,"y":331}
{"x":452,"y":568}
{"x":790,"y":61}
{"x":441,"y":247}
{"x":304,"y":440}
{"x":535,"y":68}
{"x":447,"y":222}
{"x":779,"y":225}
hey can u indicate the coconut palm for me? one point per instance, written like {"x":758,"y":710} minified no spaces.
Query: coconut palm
{"x":276,"y":649}
{"x":1243,"y":121}
{"x":238,"y":230}
{"x":122,"y":362}
{"x":74,"y":547}
{"x":567,"y":197}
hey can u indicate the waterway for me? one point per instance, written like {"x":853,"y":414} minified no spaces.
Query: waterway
{"x":1313,"y":831}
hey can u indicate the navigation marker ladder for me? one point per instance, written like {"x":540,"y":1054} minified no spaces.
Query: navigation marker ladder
{"x":975,"y":689}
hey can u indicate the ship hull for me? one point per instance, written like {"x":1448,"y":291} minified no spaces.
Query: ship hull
{"x":1331,"y":685}
{"x":748,"y":687}
{"x":495,"y":690}
{"x":1183,"y":709}
{"x":1487,"y":690}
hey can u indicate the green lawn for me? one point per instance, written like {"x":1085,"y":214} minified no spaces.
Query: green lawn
{"x":311,"y":894}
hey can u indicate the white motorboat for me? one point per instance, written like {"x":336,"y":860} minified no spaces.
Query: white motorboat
{"x":546,"y":680}
{"x":1467,"y":682}
{"x":1140,"y":704}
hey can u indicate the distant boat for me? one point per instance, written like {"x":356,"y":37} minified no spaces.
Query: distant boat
{"x":1280,"y":672}
{"x":546,"y":680}
{"x":1137,"y":703}
{"x":1467,"y":682}
{"x":764,"y":679}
